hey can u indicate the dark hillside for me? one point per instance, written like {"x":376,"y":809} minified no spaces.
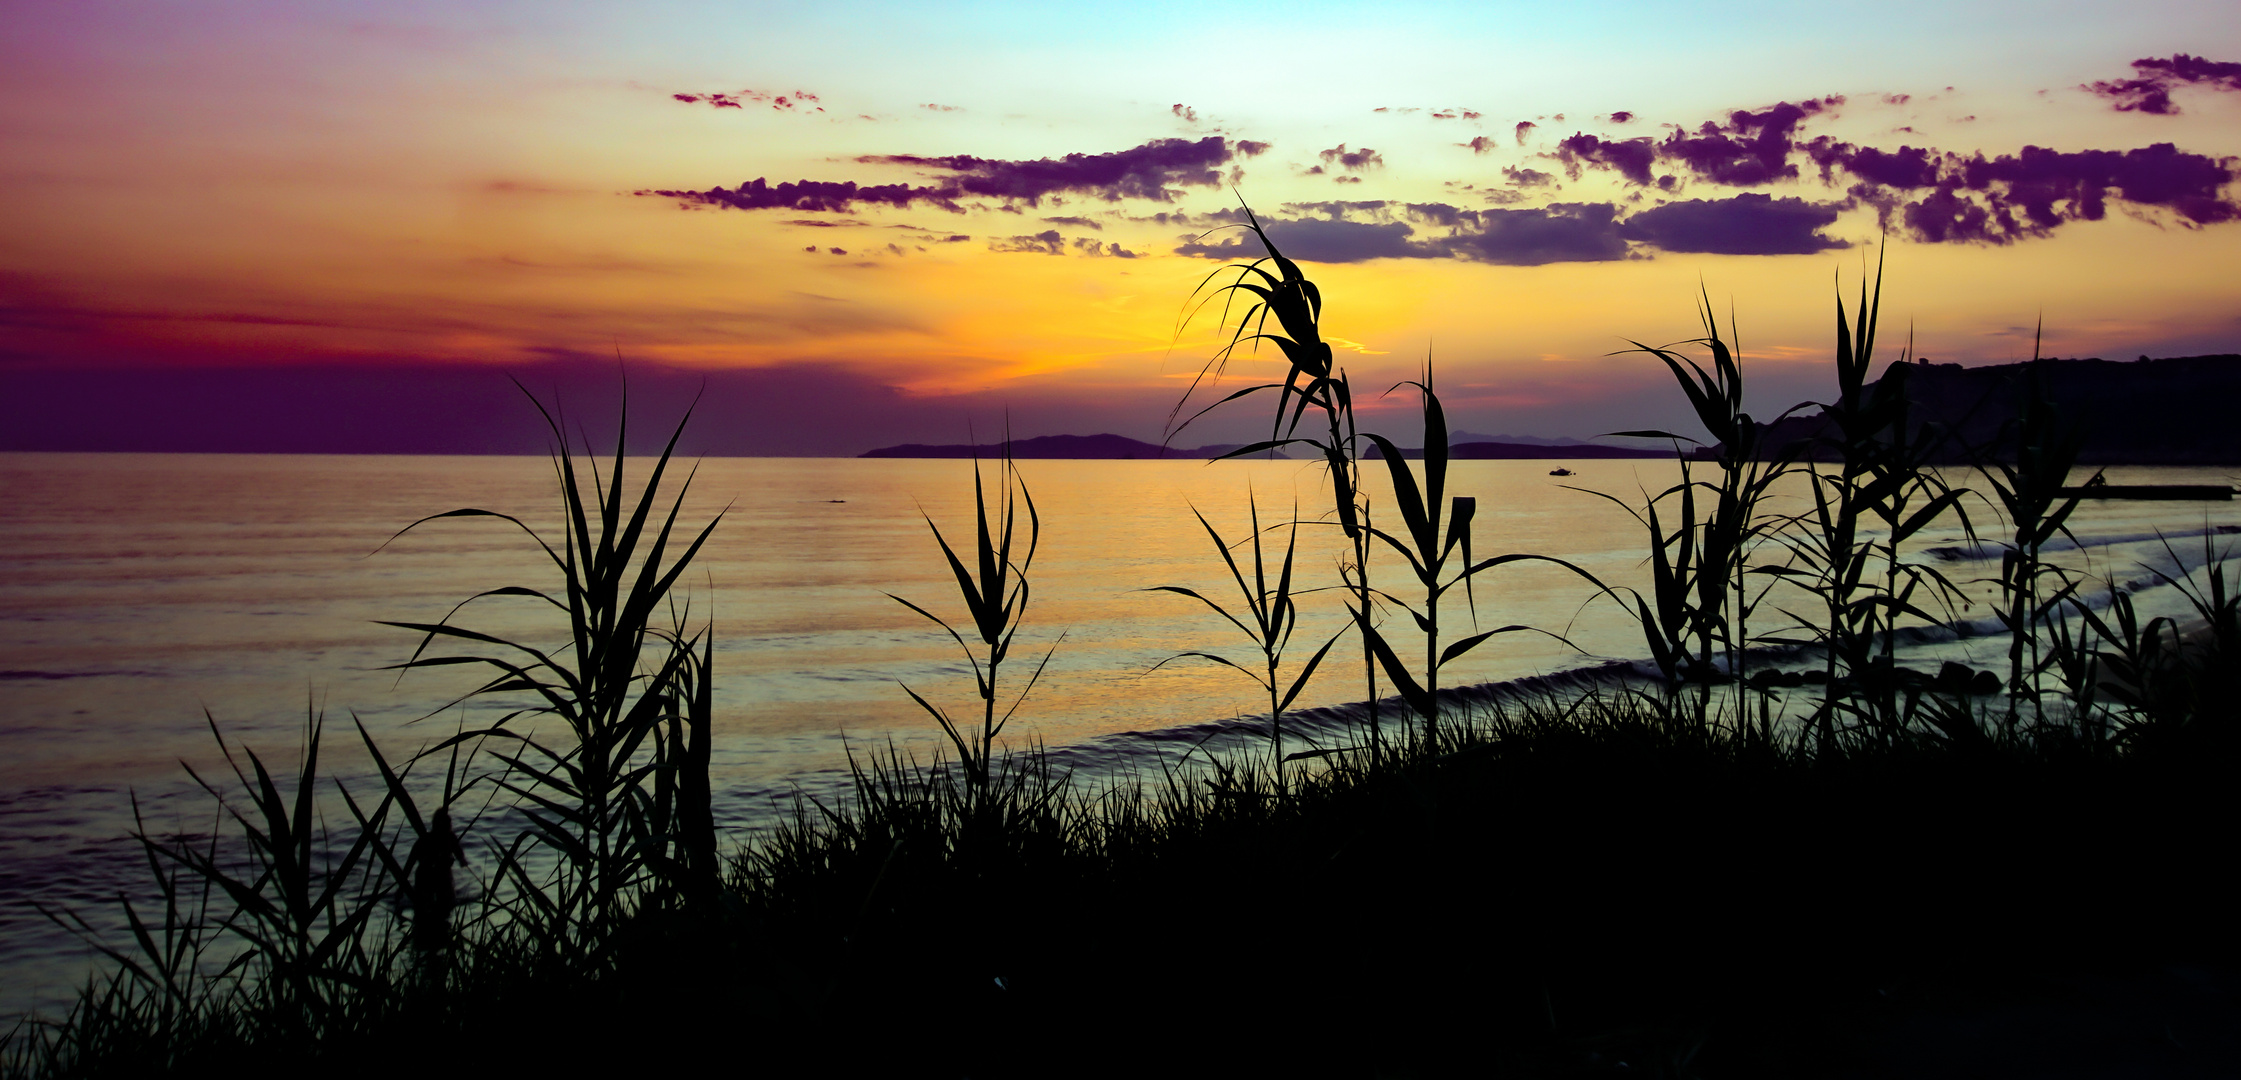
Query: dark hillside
{"x":2173,"y":411}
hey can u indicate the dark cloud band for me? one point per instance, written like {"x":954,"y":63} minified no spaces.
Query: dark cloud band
{"x":1747,"y":224}
{"x":1154,"y":171}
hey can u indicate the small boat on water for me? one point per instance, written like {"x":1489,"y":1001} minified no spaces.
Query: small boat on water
{"x":1560,"y":471}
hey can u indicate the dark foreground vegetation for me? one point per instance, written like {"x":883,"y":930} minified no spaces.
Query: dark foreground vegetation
{"x":1598,"y":890}
{"x":1785,"y":855}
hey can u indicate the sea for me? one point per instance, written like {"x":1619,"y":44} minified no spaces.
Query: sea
{"x":153,"y":604}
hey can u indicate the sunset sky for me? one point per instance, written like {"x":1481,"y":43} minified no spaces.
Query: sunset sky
{"x":338,"y":226}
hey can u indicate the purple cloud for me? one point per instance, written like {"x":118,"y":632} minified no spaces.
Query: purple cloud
{"x":2011,"y":197}
{"x":1527,"y":178}
{"x":1524,"y":128}
{"x":1324,"y":240}
{"x":1152,"y":171}
{"x":1565,"y":232}
{"x":1748,"y":224}
{"x":1352,"y":160}
{"x":1559,"y":232}
{"x":1631,"y":157}
{"x":1086,"y":246}
{"x":1077,"y":222}
{"x":1621,"y":117}
{"x":832,"y":197}
{"x":1906,"y":167}
{"x":1047,"y":242}
{"x":1752,"y":148}
{"x":1479,"y":144}
{"x":2150,"y":91}
{"x":778,"y":102}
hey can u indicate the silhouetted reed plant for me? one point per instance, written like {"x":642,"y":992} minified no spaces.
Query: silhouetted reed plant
{"x":1701,"y":570}
{"x":1274,"y":287}
{"x":623,"y":803}
{"x":1270,"y":613}
{"x":995,"y":590}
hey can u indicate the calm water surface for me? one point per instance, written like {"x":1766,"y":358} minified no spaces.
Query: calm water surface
{"x":139,"y":593}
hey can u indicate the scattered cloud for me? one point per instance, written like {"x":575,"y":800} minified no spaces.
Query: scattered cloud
{"x":798,"y":101}
{"x":1184,"y":113}
{"x":1077,"y":222}
{"x":1524,"y":128}
{"x":1747,"y":224}
{"x":1479,"y":144}
{"x":832,"y":197}
{"x":1631,"y":157}
{"x":932,"y":107}
{"x":1050,"y":242}
{"x":1352,"y":160}
{"x":1047,"y":242}
{"x":1527,"y":178}
{"x":1751,"y":149}
{"x":1084,"y":245}
{"x":2149,"y":91}
{"x":1621,"y":117}
{"x":1944,"y":197}
{"x":1936,"y":197}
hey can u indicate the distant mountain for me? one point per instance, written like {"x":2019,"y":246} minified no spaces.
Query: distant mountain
{"x":1500,"y":451}
{"x":1106,"y":447}
{"x":2172,"y":411}
{"x":1454,"y":437}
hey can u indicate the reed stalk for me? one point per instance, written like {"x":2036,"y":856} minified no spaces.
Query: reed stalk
{"x":995,"y":590}
{"x":1270,"y":615}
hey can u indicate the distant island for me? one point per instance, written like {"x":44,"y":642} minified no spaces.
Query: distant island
{"x":1110,"y":447}
{"x":1087,"y":447}
{"x":2171,"y":411}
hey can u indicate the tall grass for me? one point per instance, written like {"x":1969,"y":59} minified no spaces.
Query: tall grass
{"x":995,"y":591}
{"x":624,"y":802}
{"x":1702,"y":572}
{"x":1270,"y":614}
